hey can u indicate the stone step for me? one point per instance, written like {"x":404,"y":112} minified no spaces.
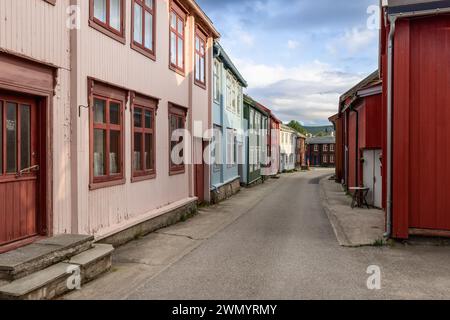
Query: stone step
{"x":24,"y":261}
{"x":62,"y":277}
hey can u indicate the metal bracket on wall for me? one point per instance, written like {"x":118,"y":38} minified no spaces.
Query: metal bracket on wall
{"x":79,"y":109}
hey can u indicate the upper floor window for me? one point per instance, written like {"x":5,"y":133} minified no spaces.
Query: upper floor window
{"x":143,"y":26}
{"x":107,"y":16}
{"x":229,"y":92}
{"x":332,"y":147}
{"x":200,"y":58}
{"x":217,"y":82}
{"x":331,"y":158}
{"x":177,"y":29}
{"x":316,"y":147}
{"x":325,"y":159}
{"x":325,"y":147}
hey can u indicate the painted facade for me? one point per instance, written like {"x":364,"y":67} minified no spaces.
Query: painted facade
{"x":415,"y":94}
{"x":321,"y":151}
{"x":255,"y":123}
{"x":106,"y":112}
{"x":288,"y":148}
{"x":228,"y":121}
{"x":361,"y":111}
{"x":301,"y":151}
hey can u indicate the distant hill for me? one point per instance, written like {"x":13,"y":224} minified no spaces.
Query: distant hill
{"x":322,"y":129}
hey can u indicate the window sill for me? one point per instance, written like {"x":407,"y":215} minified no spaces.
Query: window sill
{"x":107,"y":184}
{"x":177,"y":70}
{"x":200,"y":84}
{"x":107,"y":32}
{"x":147,"y":177}
{"x":176,"y":172}
{"x":143,"y":51}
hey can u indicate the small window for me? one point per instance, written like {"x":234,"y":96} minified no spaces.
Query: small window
{"x":107,"y":16}
{"x":217,"y":82}
{"x":331,"y":159}
{"x":325,"y":159}
{"x":177,"y":122}
{"x":316,"y":148}
{"x":177,"y":29}
{"x":325,"y":147}
{"x":332,"y":147}
{"x":143,"y":26}
{"x":217,"y":148}
{"x":200,"y":59}
{"x":231,"y":147}
{"x":143,"y":138}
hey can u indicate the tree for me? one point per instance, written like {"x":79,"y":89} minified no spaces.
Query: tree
{"x":297,"y":127}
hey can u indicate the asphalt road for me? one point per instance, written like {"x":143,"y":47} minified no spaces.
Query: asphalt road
{"x":285,"y":248}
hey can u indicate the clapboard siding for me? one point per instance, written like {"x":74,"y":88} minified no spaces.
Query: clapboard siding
{"x":36,"y":30}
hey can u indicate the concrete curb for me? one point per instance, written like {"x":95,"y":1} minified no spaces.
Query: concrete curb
{"x":334,"y":221}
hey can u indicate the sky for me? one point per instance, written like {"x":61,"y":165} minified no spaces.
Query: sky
{"x":298,"y":56}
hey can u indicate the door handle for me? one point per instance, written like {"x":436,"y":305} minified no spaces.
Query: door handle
{"x":28,"y":170}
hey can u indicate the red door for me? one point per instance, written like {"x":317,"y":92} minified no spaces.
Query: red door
{"x":200,"y":179}
{"x":19,"y":169}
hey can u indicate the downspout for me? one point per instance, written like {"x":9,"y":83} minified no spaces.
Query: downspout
{"x":390,"y":76}
{"x":357,"y":149}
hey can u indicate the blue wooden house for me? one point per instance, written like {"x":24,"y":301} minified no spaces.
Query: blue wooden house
{"x":228,"y":133}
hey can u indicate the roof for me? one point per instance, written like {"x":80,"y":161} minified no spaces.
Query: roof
{"x":223,"y":56}
{"x":248,"y":100}
{"x":203,"y":17}
{"x":404,"y":6}
{"x":372,"y":79}
{"x":286,"y":128}
{"x":321,"y":140}
{"x":368,"y":86}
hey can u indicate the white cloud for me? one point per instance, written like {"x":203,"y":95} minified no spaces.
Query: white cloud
{"x":292,"y":44}
{"x":352,"y":41}
{"x":307,"y":93}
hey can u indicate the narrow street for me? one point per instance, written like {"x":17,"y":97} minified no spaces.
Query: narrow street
{"x":284,"y":248}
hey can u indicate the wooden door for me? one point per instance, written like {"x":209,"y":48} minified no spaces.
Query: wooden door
{"x":19,"y":169}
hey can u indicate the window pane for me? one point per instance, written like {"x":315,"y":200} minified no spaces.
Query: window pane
{"x":1,"y":137}
{"x":99,"y":152}
{"x":148,"y":31}
{"x":173,"y":48}
{"x":115,"y":14}
{"x":148,"y":119}
{"x":180,"y":53}
{"x":11,"y":138}
{"x":180,"y":26}
{"x":114,"y":113}
{"x":114,"y":152}
{"x":149,"y":3}
{"x":25,"y":136}
{"x":148,"y":151}
{"x":137,"y":23}
{"x":197,"y":44}
{"x":197,"y":67}
{"x":173,"y":20}
{"x":99,"y":111}
{"x":138,"y":117}
{"x":137,"y":151}
{"x":202,"y":69}
{"x":100,"y":10}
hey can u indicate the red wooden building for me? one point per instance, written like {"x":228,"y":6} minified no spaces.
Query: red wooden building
{"x":359,"y":137}
{"x":415,"y":68}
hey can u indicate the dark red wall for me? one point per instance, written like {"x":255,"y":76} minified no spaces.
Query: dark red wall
{"x":421,"y":124}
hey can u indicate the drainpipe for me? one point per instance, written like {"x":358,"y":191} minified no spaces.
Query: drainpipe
{"x":357,"y":162}
{"x":390,"y":101}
